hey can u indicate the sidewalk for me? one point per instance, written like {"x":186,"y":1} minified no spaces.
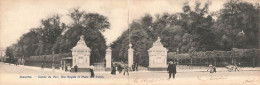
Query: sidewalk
{"x":219,"y":69}
{"x":45,"y":69}
{"x":179,"y":70}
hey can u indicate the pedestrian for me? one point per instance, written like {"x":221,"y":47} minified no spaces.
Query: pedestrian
{"x":66,"y":68}
{"x":120,"y":68}
{"x":214,"y":69}
{"x":171,"y":69}
{"x":236,"y":67}
{"x":42,"y":66}
{"x":76,"y":68}
{"x":136,"y":67}
{"x":126,"y":68}
{"x":133,"y":67}
{"x":211,"y":69}
{"x":113,"y":72}
{"x":92,"y":74}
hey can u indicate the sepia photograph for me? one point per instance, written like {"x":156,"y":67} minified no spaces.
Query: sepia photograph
{"x":129,"y":42}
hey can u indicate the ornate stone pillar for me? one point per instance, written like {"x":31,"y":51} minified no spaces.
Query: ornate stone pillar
{"x":157,"y":57}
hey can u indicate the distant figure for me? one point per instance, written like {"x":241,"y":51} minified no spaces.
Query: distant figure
{"x":42,"y":66}
{"x":214,"y":69}
{"x":136,"y":67}
{"x":113,"y":72}
{"x":236,"y":67}
{"x":92,"y":75}
{"x":211,"y":69}
{"x":126,"y":68}
{"x":66,"y":68}
{"x":23,"y":61}
{"x":119,"y":68}
{"x":171,"y":70}
{"x":76,"y":68}
{"x":133,"y":67}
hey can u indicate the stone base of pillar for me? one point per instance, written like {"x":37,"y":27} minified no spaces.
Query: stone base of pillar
{"x":108,"y":69}
{"x":80,"y":70}
{"x":157,"y":68}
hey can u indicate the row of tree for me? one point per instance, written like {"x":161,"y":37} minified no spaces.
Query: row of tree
{"x":236,"y":26}
{"x":54,"y":36}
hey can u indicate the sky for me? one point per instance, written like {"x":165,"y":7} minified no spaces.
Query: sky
{"x":17,"y":17}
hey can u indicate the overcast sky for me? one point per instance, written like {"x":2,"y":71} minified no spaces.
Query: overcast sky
{"x":19,"y":16}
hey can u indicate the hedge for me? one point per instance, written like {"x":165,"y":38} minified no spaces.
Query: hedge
{"x":216,"y":54}
{"x":49,"y":58}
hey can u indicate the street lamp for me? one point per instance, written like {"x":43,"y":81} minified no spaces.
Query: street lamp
{"x":53,"y":67}
{"x":177,"y":56}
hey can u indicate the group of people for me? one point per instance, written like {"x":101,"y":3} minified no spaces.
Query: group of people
{"x":91,"y":69}
{"x":123,"y":67}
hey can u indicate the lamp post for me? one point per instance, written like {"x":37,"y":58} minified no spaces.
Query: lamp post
{"x":177,"y":56}
{"x":53,"y":67}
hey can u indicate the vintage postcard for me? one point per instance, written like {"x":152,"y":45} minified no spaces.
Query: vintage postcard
{"x":129,"y":42}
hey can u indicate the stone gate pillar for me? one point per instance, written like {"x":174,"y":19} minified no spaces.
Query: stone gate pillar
{"x":130,"y":55}
{"x":81,"y":56}
{"x":157,"y":57}
{"x":108,"y":59}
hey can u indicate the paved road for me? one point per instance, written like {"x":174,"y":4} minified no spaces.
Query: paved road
{"x":11,"y":74}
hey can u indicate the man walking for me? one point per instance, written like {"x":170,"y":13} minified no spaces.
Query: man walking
{"x":126,"y":68}
{"x":92,"y":74}
{"x":236,"y":67}
{"x":42,"y":65}
{"x":171,"y":69}
{"x":136,"y":67}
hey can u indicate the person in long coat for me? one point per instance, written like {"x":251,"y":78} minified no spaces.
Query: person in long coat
{"x":136,"y":67}
{"x":76,"y":68}
{"x":119,"y":68}
{"x":126,"y":69}
{"x":42,"y":65}
{"x":92,"y":74}
{"x":171,"y":69}
{"x":133,"y":67}
{"x":113,"y":72}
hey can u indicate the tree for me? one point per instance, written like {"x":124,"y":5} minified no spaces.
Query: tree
{"x":238,"y":16}
{"x":90,"y":25}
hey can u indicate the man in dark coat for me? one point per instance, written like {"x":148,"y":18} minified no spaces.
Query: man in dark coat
{"x":171,"y":69}
{"x":136,"y":67}
{"x":113,"y":72}
{"x":92,"y":74}
{"x":133,"y":67}
{"x":42,"y":65}
{"x":126,"y":68}
{"x":76,"y":68}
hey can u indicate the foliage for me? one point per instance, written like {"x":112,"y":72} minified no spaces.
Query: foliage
{"x":193,"y":30}
{"x":54,"y":37}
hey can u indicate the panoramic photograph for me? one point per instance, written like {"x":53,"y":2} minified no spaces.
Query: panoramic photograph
{"x":129,"y":42}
